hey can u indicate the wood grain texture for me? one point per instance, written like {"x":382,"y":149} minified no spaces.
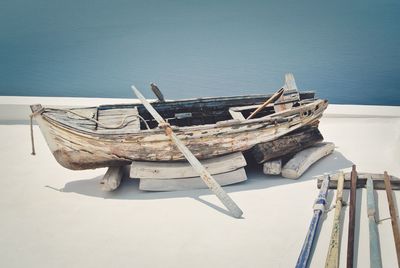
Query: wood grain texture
{"x":168,"y":170}
{"x":204,"y":174}
{"x":288,"y":144}
{"x":75,"y":148}
{"x":273,"y":167}
{"x":223,"y":179}
{"x":289,"y":96}
{"x":332,"y":259}
{"x":393,"y":215}
{"x":304,"y":159}
{"x":112,"y":179}
{"x":274,"y":97}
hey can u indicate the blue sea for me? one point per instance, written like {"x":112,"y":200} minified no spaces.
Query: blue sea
{"x":347,"y":51}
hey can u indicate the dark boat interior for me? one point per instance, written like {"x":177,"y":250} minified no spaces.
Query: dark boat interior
{"x":202,"y":111}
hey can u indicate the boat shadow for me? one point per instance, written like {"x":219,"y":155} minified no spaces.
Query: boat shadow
{"x":129,"y":188}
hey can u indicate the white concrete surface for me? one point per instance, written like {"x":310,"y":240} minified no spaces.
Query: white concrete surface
{"x":54,"y":217}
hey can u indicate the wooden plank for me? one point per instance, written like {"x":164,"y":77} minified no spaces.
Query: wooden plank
{"x":127,"y":118}
{"x":228,"y":178}
{"x":377,"y":180}
{"x":204,"y":174}
{"x":289,"y":144}
{"x":169,"y":170}
{"x":352,"y":218}
{"x":112,"y":178}
{"x":304,"y":159}
{"x":290,"y":82}
{"x":374,"y":247}
{"x":332,"y":260}
{"x":393,"y":215}
{"x":236,"y":115}
{"x":74,"y":117}
{"x":273,"y":167}
{"x":289,"y":96}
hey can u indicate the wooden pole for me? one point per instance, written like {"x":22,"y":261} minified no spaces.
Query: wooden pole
{"x":352,"y":218}
{"x":393,"y":215}
{"x":262,"y":106}
{"x":374,"y":248}
{"x":319,"y":208}
{"x":204,"y":174}
{"x":332,"y":259}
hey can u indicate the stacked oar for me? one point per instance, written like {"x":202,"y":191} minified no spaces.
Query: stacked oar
{"x":351,"y":181}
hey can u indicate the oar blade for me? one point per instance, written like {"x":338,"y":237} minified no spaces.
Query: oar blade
{"x":204,"y":174}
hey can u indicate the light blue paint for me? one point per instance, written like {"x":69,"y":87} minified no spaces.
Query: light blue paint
{"x":374,"y":246}
{"x":348,"y":51}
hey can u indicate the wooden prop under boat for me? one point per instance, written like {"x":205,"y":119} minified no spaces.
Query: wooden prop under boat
{"x":115,"y":135}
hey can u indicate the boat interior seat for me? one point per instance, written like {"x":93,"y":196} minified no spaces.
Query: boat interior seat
{"x":122,"y":120}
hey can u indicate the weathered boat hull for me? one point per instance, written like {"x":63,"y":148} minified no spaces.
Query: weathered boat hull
{"x":77,"y":150}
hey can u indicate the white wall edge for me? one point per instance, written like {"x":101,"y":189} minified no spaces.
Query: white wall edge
{"x":15,"y":109}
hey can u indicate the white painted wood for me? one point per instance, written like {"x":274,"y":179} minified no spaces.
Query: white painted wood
{"x":304,"y":159}
{"x":236,"y":115}
{"x":112,"y":178}
{"x":290,"y":83}
{"x":231,"y":177}
{"x":290,"y":94}
{"x":204,"y":174}
{"x":168,"y":170}
{"x":128,"y":118}
{"x":273,"y":167}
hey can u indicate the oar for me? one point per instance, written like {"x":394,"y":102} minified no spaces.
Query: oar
{"x":374,"y":248}
{"x":393,"y":215}
{"x":204,"y":174}
{"x":332,"y":259}
{"x":262,"y":106}
{"x":319,"y":208}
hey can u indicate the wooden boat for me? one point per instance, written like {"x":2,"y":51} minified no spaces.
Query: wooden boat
{"x":115,"y":135}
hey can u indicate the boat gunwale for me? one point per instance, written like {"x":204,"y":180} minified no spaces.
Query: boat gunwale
{"x":273,"y":118}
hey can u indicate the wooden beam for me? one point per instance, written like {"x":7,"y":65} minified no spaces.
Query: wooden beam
{"x":286,"y":145}
{"x":377,"y":179}
{"x":112,"y":178}
{"x":169,"y":170}
{"x":273,"y":167}
{"x":179,"y":184}
{"x":304,"y":159}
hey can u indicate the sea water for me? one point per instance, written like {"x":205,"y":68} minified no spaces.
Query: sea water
{"x":347,"y":51}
